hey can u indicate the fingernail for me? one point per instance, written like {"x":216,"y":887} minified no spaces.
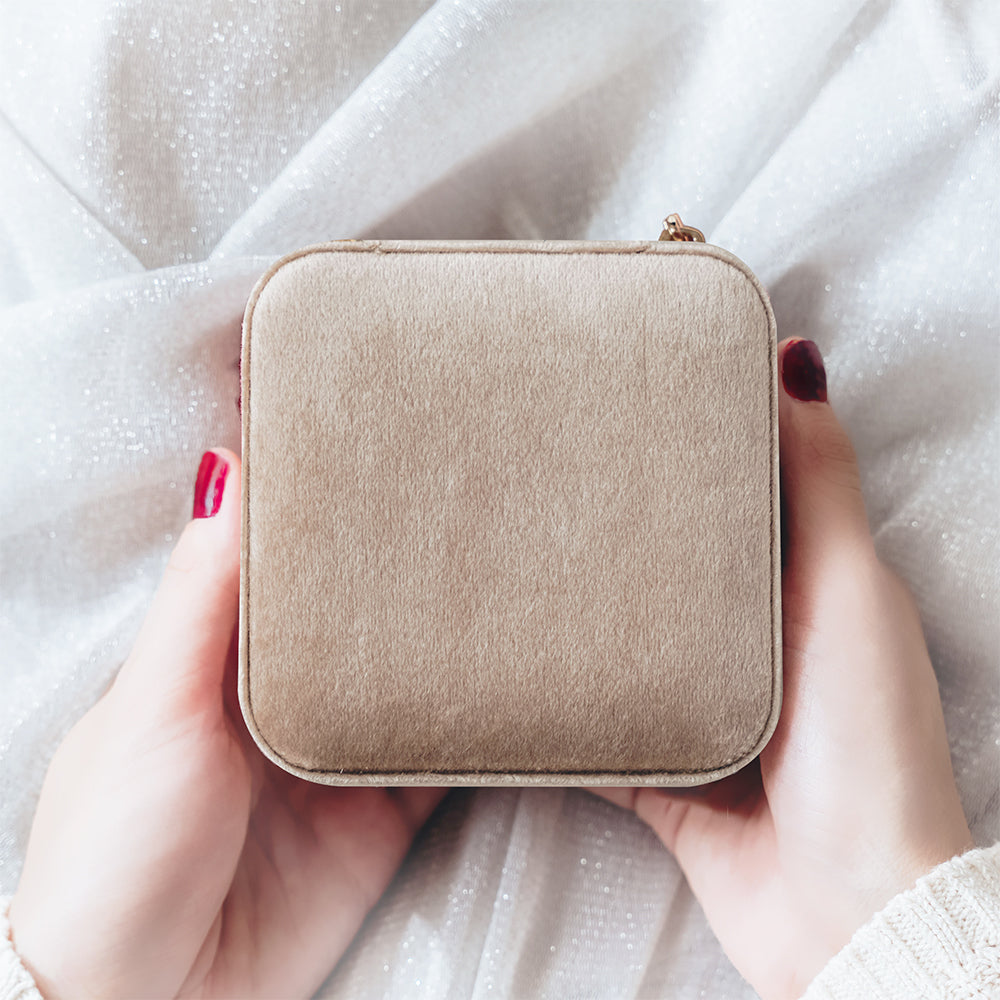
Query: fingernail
{"x":210,"y":485}
{"x":802,"y":372}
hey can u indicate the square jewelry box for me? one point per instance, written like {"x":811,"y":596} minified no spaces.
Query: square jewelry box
{"x":510,"y":513}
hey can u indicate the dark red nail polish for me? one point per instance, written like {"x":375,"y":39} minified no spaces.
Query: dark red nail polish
{"x":210,"y":485}
{"x":802,"y":372}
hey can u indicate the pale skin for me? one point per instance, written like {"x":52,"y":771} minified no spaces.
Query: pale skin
{"x":854,"y":798}
{"x":169,"y":858}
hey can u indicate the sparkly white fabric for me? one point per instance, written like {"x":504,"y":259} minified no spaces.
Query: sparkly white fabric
{"x":154,"y":158}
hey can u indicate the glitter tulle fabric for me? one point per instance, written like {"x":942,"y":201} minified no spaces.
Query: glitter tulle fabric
{"x":155,"y":158}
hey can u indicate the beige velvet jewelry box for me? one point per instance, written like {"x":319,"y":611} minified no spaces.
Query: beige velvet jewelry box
{"x":510,"y":513}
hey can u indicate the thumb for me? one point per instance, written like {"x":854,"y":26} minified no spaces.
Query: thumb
{"x":182,"y":646}
{"x":821,"y":496}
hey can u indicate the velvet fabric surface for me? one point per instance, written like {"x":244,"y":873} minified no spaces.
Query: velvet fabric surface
{"x":510,"y":513}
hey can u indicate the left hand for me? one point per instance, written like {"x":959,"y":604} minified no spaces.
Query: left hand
{"x":168,"y":856}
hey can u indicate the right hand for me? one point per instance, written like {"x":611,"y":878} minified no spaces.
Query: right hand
{"x":854,"y":797}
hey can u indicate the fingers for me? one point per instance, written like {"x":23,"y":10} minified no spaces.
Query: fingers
{"x":182,"y":646}
{"x":665,"y":811}
{"x":696,"y":823}
{"x":822,"y":508}
{"x":415,"y":805}
{"x":623,"y":797}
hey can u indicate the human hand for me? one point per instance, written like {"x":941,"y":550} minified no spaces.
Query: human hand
{"x":168,"y":857}
{"x":854,"y":798}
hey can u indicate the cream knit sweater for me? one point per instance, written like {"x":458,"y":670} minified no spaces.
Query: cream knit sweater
{"x":939,"y":940}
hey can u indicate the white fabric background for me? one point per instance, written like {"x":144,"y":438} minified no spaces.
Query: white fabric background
{"x":155,"y":157}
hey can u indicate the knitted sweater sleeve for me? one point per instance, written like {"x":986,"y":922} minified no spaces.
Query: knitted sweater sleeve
{"x":939,"y":940}
{"x":15,"y":981}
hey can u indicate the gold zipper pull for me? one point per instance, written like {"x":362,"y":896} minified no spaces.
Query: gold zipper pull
{"x":675,"y":231}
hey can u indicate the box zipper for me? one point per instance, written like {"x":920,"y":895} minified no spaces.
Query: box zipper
{"x":674,"y":231}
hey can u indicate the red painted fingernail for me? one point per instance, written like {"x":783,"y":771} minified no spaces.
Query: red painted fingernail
{"x":210,"y":485}
{"x":802,"y":372}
